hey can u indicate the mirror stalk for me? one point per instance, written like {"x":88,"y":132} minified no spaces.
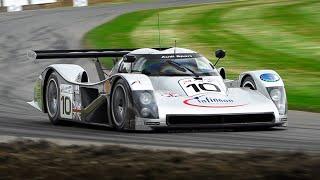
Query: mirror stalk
{"x":216,"y":62}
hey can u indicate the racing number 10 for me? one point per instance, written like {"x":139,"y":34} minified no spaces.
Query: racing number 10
{"x":204,"y":87}
{"x":66,"y":105}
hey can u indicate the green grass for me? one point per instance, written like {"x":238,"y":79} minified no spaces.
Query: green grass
{"x":257,"y":34}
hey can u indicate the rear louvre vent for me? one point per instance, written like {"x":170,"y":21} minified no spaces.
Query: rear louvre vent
{"x":220,"y":119}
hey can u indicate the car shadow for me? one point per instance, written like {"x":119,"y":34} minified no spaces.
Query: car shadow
{"x":160,"y":131}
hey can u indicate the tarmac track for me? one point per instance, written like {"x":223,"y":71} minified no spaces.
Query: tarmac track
{"x":63,"y":29}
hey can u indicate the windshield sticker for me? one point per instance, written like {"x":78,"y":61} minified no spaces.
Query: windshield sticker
{"x":172,"y":56}
{"x":212,"y":102}
{"x":193,"y":86}
{"x":268,"y":77}
{"x":177,"y":56}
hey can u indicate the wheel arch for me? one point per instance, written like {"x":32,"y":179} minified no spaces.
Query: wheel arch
{"x":244,"y":77}
{"x":113,"y":81}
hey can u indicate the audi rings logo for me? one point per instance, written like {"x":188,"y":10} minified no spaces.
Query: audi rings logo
{"x":211,"y":102}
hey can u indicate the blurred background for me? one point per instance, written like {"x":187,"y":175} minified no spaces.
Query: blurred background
{"x":19,"y":5}
{"x":282,"y":35}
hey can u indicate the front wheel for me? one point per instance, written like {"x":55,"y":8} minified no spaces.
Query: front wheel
{"x":52,"y":99}
{"x":121,"y":106}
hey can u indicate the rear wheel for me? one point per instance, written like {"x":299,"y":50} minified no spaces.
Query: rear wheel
{"x":248,"y":82}
{"x":52,"y":99}
{"x":121,"y":106}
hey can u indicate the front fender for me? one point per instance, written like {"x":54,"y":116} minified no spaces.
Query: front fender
{"x":262,"y":84}
{"x":266,"y":81}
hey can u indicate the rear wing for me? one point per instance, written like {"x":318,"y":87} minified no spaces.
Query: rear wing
{"x":83,"y":53}
{"x":80,"y":53}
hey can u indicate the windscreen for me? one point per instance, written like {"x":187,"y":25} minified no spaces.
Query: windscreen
{"x":157,"y":65}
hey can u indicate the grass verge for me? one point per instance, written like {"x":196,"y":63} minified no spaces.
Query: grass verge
{"x":258,"y":34}
{"x":44,"y":160}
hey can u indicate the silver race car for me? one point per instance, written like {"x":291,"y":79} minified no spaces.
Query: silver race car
{"x":157,"y":88}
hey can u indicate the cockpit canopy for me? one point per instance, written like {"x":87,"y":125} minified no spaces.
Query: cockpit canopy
{"x":158,"y":65}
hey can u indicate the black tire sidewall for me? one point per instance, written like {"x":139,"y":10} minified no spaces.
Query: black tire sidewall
{"x":55,"y":119}
{"x":128,"y":113}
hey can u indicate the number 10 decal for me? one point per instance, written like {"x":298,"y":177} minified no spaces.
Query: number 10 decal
{"x":193,"y":87}
{"x":66,"y":99}
{"x":66,"y":105}
{"x":204,"y":87}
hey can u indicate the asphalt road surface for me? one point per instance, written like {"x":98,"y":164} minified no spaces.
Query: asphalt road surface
{"x":63,"y":29}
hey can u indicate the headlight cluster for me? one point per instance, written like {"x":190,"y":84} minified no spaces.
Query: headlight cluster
{"x":278,"y":96}
{"x":145,"y":104}
{"x":275,"y":95}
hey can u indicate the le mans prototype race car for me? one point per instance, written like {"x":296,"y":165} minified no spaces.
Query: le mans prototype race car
{"x":158,"y":88}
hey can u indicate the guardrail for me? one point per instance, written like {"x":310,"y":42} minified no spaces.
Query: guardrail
{"x":19,"y":5}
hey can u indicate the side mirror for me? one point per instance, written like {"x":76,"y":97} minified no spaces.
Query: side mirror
{"x":220,"y":53}
{"x":129,"y":58}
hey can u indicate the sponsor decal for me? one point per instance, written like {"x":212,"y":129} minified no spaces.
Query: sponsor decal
{"x":76,"y":89}
{"x":177,"y":56}
{"x":135,"y":82}
{"x":268,"y":77}
{"x":173,"y":56}
{"x":170,"y":94}
{"x":66,"y":88}
{"x":211,"y":102}
{"x":76,"y":105}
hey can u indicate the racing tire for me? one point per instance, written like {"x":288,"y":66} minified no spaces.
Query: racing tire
{"x":122,"y":113}
{"x":248,"y":82}
{"x":52,"y":99}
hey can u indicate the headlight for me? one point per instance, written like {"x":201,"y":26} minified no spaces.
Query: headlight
{"x":145,"y":112}
{"x":145,"y":98}
{"x":275,"y":94}
{"x":278,"y":96}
